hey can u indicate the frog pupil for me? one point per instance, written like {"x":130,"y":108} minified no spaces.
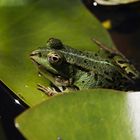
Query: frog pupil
{"x":55,"y":58}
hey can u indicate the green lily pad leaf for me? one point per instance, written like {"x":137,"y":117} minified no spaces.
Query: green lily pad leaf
{"x":93,"y":114}
{"x":13,"y":2}
{"x":27,"y":27}
{"x":115,"y":2}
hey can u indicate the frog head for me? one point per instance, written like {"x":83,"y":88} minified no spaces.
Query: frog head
{"x":52,"y":64}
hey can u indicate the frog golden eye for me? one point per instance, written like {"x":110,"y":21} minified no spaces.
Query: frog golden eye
{"x":54,"y":58}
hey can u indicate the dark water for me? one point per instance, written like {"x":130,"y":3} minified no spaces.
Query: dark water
{"x":9,"y":109}
{"x":125,"y":33}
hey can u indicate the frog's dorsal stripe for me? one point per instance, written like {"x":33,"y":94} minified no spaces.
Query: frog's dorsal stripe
{"x":79,"y":59}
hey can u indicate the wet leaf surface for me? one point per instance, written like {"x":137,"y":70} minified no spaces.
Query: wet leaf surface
{"x":93,"y":114}
{"x":27,"y":26}
{"x":115,"y":2}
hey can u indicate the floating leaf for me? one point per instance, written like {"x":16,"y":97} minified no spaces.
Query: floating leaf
{"x":94,"y":114}
{"x":115,"y":2}
{"x":26,"y":27}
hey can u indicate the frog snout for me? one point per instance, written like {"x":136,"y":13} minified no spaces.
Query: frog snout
{"x":34,"y":57}
{"x":35,"y":54}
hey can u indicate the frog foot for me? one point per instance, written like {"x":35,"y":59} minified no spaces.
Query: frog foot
{"x":47,"y":90}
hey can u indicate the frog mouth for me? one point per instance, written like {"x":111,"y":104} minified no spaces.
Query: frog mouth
{"x":32,"y":55}
{"x":46,"y":68}
{"x":43,"y":70}
{"x":35,"y":62}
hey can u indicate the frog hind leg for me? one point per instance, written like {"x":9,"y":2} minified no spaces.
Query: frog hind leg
{"x":104,"y":47}
{"x":112,"y":51}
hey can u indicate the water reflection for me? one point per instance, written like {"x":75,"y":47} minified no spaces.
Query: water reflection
{"x":17,"y":102}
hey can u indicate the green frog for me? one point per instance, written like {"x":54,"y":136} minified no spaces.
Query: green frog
{"x":70,"y":69}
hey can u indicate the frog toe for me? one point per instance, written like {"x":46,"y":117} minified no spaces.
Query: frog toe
{"x":47,"y":90}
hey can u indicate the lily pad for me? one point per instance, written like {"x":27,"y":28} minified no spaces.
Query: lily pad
{"x":26,"y":26}
{"x":93,"y":114}
{"x":115,"y":2}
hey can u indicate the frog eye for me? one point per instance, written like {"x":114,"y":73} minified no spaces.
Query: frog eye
{"x":54,"y":58}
